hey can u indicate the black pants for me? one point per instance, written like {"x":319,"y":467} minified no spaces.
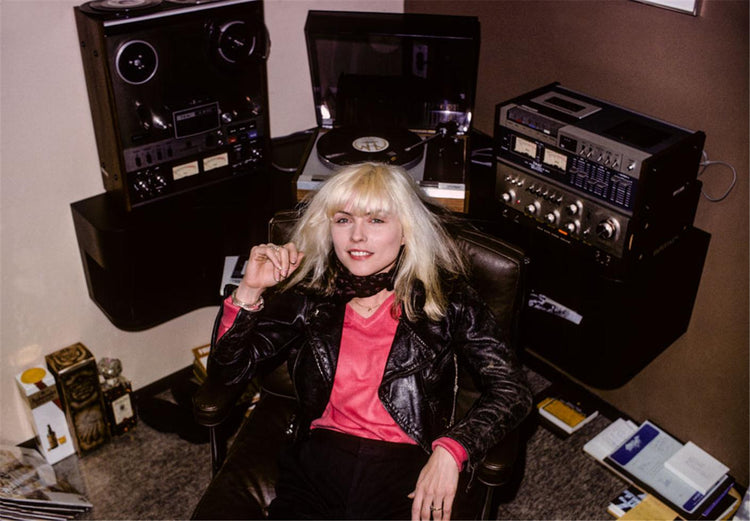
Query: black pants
{"x":337,"y":476}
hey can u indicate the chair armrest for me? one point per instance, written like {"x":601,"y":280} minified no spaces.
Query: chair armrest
{"x":497,"y":468}
{"x":213,"y":401}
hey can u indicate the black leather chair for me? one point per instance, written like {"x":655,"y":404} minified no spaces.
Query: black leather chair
{"x":243,"y":482}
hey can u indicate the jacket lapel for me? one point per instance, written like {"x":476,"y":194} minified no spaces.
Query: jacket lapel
{"x":325,"y":322}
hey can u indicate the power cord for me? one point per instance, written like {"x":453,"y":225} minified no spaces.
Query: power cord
{"x":482,"y":156}
{"x":705,"y":164}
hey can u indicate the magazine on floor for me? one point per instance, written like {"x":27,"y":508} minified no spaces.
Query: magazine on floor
{"x":28,"y":485}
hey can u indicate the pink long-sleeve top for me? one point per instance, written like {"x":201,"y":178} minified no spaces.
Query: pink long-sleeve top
{"x":354,"y":406}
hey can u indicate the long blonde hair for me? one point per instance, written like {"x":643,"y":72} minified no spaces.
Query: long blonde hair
{"x":429,"y":253}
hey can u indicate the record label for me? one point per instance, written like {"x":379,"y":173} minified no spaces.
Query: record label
{"x":370,"y":144}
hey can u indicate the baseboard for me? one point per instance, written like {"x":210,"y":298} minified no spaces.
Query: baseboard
{"x":163,"y":384}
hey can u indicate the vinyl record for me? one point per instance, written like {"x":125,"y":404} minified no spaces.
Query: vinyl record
{"x":190,"y":2}
{"x":346,"y":146}
{"x":121,"y":6}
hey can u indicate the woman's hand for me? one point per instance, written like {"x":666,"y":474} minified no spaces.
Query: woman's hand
{"x":436,"y":487}
{"x":267,"y":265}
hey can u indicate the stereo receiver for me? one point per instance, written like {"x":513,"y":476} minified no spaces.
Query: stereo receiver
{"x":595,"y":174}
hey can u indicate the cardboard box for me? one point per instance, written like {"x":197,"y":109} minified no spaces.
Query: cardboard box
{"x":77,"y":376}
{"x":37,"y":386}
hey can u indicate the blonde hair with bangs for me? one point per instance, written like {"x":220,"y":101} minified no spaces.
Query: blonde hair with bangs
{"x":374,"y":188}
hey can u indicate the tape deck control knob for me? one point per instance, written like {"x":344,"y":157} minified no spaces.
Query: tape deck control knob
{"x":149,"y":183}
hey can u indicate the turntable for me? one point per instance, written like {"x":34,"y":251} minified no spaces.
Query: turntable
{"x":114,"y":9}
{"x":396,"y":88}
{"x":119,"y":8}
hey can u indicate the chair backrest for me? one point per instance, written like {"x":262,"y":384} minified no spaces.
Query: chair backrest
{"x":497,"y":270}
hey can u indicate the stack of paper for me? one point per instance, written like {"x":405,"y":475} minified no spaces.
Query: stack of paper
{"x":564,"y":413}
{"x":696,"y":467}
{"x":611,"y":437}
{"x":684,"y":478}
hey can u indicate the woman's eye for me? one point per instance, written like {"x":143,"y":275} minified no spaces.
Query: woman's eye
{"x":341,"y":220}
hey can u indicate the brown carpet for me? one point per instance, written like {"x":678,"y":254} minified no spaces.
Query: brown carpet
{"x":152,"y":473}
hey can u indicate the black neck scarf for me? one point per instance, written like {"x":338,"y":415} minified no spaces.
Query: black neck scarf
{"x":349,"y":286}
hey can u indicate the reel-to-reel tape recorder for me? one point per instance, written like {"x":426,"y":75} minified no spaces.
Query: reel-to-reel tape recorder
{"x":178,"y":92}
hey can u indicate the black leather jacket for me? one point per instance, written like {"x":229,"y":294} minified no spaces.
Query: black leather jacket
{"x":420,"y":381}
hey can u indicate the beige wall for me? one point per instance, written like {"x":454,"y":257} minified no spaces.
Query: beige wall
{"x":49,"y":161}
{"x":689,"y":71}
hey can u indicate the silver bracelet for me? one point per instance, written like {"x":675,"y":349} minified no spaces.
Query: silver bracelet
{"x":255,"y":306}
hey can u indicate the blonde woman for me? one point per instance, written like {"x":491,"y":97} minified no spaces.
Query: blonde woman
{"x":369,"y":301}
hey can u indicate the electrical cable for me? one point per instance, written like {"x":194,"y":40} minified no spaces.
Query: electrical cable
{"x":705,"y":164}
{"x":482,"y":156}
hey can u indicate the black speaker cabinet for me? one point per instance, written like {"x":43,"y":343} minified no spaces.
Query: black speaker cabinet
{"x":603,"y":330}
{"x":146,"y":267}
{"x":178,"y":93}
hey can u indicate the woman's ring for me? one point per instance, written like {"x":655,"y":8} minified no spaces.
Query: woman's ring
{"x":433,"y":508}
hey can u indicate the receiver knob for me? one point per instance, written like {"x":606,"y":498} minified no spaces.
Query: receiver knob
{"x":551,"y":217}
{"x":508,"y":196}
{"x":532,"y":208}
{"x":570,"y":227}
{"x":607,"y":229}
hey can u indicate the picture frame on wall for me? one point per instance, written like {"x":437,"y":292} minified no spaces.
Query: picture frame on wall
{"x":691,"y":7}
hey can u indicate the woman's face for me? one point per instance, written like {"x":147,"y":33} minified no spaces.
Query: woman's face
{"x":368,"y":243}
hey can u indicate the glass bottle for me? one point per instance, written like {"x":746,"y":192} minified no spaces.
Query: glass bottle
{"x":118,"y":397}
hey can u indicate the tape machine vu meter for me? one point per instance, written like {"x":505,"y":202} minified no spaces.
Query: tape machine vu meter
{"x":595,"y":174}
{"x":178,"y":92}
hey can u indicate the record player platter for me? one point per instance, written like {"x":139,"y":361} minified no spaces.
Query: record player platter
{"x":346,"y":146}
{"x":120,"y":6}
{"x":190,"y":2}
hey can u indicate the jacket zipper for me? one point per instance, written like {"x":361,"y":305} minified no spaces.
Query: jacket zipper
{"x":455,"y":390}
